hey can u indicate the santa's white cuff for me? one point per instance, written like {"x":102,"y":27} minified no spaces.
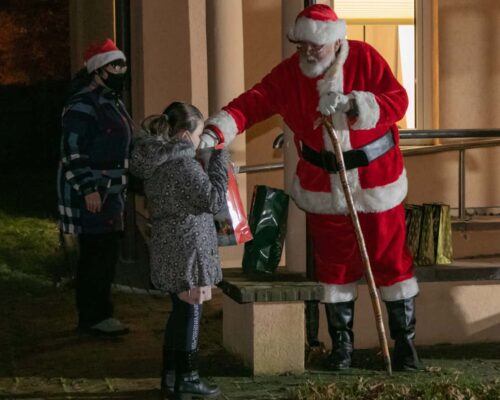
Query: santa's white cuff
{"x":226,"y":124}
{"x":406,"y":289}
{"x":333,"y":293}
{"x":369,"y":110}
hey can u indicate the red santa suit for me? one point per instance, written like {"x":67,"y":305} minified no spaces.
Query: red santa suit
{"x":378,"y":189}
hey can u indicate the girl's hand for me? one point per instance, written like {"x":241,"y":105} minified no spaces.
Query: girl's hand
{"x":93,"y":202}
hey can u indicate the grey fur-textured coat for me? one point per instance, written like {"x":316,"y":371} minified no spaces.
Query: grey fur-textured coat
{"x":182,"y":199}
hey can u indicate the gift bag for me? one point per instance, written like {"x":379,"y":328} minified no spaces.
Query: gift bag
{"x":231,"y":222}
{"x":267,"y":219}
{"x":413,"y":216}
{"x":443,"y":248}
{"x":426,"y":247}
{"x":428,"y":233}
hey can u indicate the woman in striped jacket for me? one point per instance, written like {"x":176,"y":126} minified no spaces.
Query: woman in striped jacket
{"x":96,"y":134}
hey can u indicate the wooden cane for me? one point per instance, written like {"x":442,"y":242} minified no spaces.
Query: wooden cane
{"x":361,"y":243}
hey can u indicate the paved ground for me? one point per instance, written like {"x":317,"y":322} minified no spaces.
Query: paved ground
{"x":42,"y":357}
{"x":60,"y":388}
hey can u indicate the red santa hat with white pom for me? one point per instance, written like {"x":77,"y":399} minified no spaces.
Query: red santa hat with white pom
{"x":96,"y":56}
{"x":317,"y":24}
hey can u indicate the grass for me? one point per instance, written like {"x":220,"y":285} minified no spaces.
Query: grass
{"x":452,"y":372}
{"x":30,"y":251}
{"x":370,"y":389}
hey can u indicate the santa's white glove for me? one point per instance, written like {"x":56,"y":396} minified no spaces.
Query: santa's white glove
{"x":332,"y":102}
{"x":208,"y":139}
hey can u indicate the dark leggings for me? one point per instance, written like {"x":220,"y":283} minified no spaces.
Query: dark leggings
{"x":183,"y":325}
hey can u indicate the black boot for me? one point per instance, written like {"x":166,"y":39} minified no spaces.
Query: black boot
{"x":188,"y":384}
{"x":167,"y":374}
{"x":340,"y":317}
{"x":402,"y":326}
{"x":312,"y":323}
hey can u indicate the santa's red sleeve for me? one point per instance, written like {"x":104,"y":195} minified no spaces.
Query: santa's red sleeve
{"x":383,"y":100}
{"x":255,"y":105}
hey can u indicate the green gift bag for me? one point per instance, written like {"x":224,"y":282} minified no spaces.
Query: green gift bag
{"x":443,"y":248}
{"x":267,"y":220}
{"x":426,"y":247}
{"x":413,"y":215}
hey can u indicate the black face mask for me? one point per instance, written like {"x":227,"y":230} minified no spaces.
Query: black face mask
{"x":114,"y":82}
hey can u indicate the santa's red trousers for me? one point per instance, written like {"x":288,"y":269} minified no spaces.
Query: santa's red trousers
{"x":336,"y":252}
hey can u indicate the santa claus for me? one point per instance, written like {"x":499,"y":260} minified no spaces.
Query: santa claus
{"x":350,"y":82}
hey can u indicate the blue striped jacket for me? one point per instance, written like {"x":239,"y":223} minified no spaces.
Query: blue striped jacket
{"x":96,"y":134}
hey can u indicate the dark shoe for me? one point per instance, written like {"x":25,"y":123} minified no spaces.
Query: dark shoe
{"x":341,"y":356}
{"x":188,"y":384}
{"x":340,"y":318}
{"x":167,"y":374}
{"x":402,"y":323}
{"x":405,"y":357}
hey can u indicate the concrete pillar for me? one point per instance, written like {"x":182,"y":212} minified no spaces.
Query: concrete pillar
{"x":168,"y":55}
{"x":267,"y":336}
{"x":89,"y":21}
{"x":296,"y":230}
{"x":168,"y":61}
{"x":262,"y":48}
{"x":226,"y":81}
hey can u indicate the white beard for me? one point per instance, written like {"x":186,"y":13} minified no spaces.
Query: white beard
{"x":314,"y":67}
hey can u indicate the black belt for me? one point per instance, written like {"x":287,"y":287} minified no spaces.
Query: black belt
{"x":353,"y":158}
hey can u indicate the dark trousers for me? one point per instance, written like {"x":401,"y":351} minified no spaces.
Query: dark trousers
{"x":183,"y":326}
{"x":94,"y":275}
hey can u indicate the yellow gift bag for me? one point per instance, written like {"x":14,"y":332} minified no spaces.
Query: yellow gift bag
{"x":442,"y":226}
{"x":413,"y":214}
{"x":426,"y":251}
{"x":428,"y":233}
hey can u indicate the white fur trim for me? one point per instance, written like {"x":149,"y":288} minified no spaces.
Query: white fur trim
{"x":333,"y":81}
{"x":369,"y":110}
{"x":99,"y":60}
{"x":226,"y":123}
{"x":377,"y":199}
{"x":333,"y":293}
{"x":318,"y":32}
{"x":401,"y":290}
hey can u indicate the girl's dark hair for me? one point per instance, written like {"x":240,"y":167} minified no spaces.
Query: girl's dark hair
{"x":178,"y":116}
{"x":81,"y":79}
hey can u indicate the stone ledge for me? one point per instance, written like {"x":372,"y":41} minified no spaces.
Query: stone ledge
{"x":281,"y":286}
{"x":285,"y":286}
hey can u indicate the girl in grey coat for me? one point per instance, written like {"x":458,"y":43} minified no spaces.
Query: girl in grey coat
{"x":182,"y":199}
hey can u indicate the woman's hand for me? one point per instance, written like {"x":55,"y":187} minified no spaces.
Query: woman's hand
{"x":93,"y":202}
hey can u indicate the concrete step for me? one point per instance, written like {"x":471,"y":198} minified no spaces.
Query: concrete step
{"x":469,"y":243}
{"x":483,"y":268}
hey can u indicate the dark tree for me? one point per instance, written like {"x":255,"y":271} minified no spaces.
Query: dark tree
{"x":34,"y":41}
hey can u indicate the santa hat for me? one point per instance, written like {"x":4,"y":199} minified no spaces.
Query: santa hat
{"x":317,"y":24}
{"x":99,"y":55}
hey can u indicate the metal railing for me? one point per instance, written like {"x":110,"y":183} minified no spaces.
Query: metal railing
{"x":420,"y":150}
{"x":461,"y":147}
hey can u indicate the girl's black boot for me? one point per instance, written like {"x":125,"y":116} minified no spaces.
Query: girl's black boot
{"x":188,"y":384}
{"x":167,"y":374}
